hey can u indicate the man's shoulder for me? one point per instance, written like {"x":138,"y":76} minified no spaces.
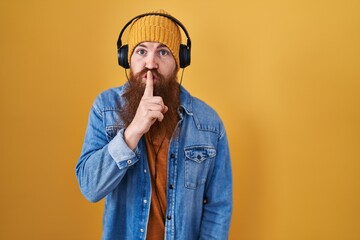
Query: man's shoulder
{"x":112,"y":92}
{"x":109,"y":99}
{"x":205,"y":116}
{"x":198,"y":107}
{"x":201,"y":107}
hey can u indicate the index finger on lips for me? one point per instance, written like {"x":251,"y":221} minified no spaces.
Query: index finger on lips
{"x":149,"y":88}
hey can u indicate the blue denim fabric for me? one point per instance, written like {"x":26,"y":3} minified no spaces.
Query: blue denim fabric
{"x":199,"y":197}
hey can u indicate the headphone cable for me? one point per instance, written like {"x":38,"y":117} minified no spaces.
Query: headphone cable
{"x":127,"y":77}
{"x":181,"y":78}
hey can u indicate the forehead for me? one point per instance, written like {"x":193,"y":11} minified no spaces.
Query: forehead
{"x":151,"y":45}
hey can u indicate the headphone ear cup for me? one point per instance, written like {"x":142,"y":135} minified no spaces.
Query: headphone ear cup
{"x":123,"y":56}
{"x":184,"y":56}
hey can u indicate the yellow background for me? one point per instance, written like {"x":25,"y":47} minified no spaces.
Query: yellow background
{"x":283,"y":75}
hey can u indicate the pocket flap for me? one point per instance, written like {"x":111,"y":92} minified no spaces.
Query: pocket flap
{"x":200,"y":153}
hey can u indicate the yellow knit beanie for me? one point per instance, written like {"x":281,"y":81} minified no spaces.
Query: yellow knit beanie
{"x":155,"y":28}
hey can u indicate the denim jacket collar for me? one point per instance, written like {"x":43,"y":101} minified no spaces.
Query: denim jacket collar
{"x":185,"y":101}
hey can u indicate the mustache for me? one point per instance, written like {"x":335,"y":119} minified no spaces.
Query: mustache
{"x":154,"y":72}
{"x":136,"y":81}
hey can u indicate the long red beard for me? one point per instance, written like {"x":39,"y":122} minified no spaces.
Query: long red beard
{"x":167,"y":88}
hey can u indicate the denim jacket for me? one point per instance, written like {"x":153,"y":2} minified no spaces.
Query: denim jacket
{"x":199,"y":194}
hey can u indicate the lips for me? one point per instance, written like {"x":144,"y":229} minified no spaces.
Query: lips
{"x":155,"y":77}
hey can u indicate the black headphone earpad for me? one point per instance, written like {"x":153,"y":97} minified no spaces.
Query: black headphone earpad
{"x":184,"y":56}
{"x":123,"y":56}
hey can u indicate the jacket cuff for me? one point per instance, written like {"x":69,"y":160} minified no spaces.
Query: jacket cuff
{"x":120,"y":151}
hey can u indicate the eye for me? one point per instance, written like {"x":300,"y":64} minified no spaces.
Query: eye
{"x":164,"y":52}
{"x":141,"y":51}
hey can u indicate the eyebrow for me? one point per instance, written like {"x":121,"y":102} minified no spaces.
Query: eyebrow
{"x":141,"y":45}
{"x":144,"y":46}
{"x":162,"y":45}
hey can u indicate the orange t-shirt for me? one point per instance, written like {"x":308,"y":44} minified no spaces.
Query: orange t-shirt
{"x":157,"y":151}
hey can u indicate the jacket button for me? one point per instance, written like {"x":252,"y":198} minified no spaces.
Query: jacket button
{"x":171,"y":186}
{"x":172,"y":155}
{"x":168,"y":217}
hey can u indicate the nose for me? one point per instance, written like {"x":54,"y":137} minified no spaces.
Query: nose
{"x":151,"y":62}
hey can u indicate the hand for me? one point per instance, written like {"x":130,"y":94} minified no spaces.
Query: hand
{"x":151,"y":109}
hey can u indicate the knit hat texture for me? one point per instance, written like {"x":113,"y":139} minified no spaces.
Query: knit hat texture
{"x":155,"y":28}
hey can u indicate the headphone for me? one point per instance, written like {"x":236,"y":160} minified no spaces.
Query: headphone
{"x":184,"y":54}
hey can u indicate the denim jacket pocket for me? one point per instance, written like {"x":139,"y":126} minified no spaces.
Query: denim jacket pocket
{"x":197,"y":162}
{"x":112,"y":123}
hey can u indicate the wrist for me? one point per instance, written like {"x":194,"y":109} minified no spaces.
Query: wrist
{"x":131,"y":137}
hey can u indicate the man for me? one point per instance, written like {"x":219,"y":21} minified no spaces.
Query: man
{"x":156,"y":154}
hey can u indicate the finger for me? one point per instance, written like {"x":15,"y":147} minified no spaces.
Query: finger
{"x":165,"y":109}
{"x":155,"y":107}
{"x":155,"y":115}
{"x":154,"y":100}
{"x":160,"y":116}
{"x":149,"y":89}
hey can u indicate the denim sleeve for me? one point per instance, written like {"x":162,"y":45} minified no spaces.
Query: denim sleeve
{"x":102,"y":163}
{"x":218,"y":194}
